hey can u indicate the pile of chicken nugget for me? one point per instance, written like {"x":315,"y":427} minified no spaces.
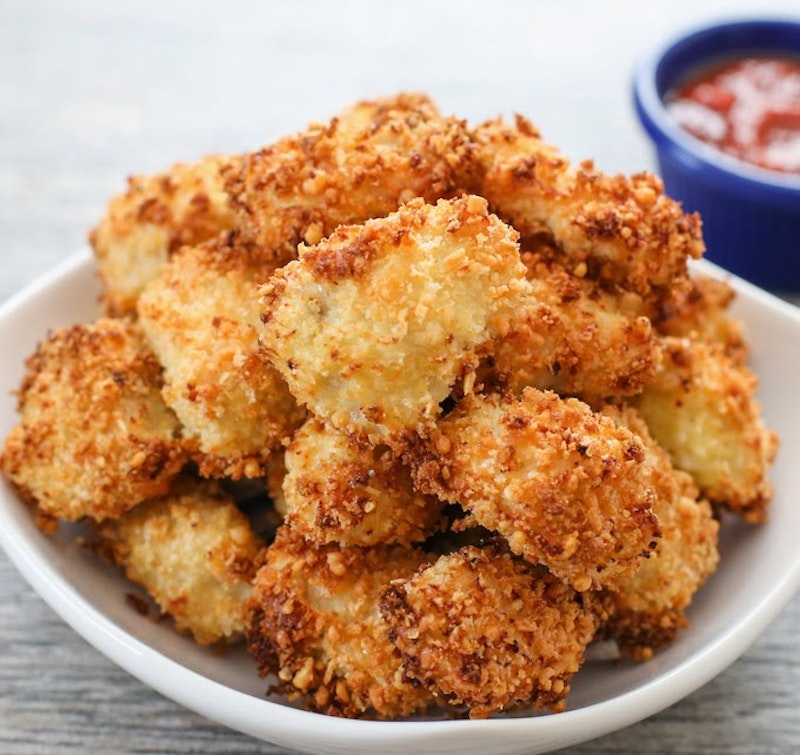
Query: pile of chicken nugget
{"x":417,"y":409}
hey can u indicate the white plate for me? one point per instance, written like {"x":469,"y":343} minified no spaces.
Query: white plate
{"x":759,"y":574}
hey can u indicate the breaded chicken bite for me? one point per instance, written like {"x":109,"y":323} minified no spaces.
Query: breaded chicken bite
{"x":339,"y":490}
{"x":569,"y":336}
{"x":156,"y":216}
{"x":373,"y":326}
{"x":314,"y":622}
{"x":202,"y":318}
{"x":648,"y":608}
{"x":702,"y":313}
{"x":566,"y":487}
{"x":487,"y":630}
{"x":94,"y":436}
{"x":701,"y":407}
{"x":363,"y":164}
{"x":367,"y":115}
{"x":195,"y":554}
{"x":616,"y":229}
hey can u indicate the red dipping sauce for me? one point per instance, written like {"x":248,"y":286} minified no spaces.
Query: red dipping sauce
{"x":748,"y":107}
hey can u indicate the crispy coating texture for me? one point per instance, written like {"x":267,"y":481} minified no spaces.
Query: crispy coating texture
{"x":363,"y":164}
{"x":314,"y":621}
{"x":202,"y":319}
{"x":648,"y":608}
{"x":94,"y":436}
{"x":194,"y":553}
{"x":275,"y":475}
{"x":339,"y":490}
{"x":487,"y":630}
{"x":373,"y":326}
{"x":566,"y":487}
{"x":365,"y":116}
{"x":570,"y":336}
{"x":619,"y":230}
{"x":701,"y":407}
{"x":156,"y":216}
{"x":701,"y":312}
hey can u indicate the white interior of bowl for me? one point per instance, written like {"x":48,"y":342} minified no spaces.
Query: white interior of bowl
{"x":759,"y":573}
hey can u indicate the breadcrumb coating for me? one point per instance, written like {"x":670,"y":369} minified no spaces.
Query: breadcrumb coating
{"x":202,"y":318}
{"x":564,"y":486}
{"x":275,"y":475}
{"x":94,"y":436}
{"x":617,"y":229}
{"x":569,"y":336}
{"x":314,"y":622}
{"x":489,"y":631}
{"x":373,"y":326}
{"x":370,"y":115}
{"x":364,"y":164}
{"x":156,"y":216}
{"x":648,"y":608}
{"x":701,"y":407}
{"x":194,"y":553}
{"x":701,"y":312}
{"x":339,"y":490}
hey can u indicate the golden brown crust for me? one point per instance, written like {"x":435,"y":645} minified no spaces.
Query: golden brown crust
{"x":373,"y":326}
{"x":363,"y":164}
{"x":202,"y":318}
{"x":701,"y":407}
{"x":94,"y":436}
{"x":570,"y":336}
{"x":701,"y":312}
{"x":314,"y":622}
{"x":484,"y":629}
{"x":156,"y":216}
{"x":195,"y":554}
{"x":275,"y":475}
{"x":563,"y":485}
{"x":339,"y":490}
{"x":648,"y":607}
{"x":619,"y":230}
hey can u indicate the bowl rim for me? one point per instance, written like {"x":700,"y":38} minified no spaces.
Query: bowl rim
{"x":717,"y":168}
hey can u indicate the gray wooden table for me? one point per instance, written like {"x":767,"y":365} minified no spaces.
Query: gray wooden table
{"x":91,"y":92}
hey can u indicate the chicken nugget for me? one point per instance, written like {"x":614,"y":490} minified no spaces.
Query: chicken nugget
{"x":363,"y":164}
{"x":487,"y":630}
{"x":195,"y":554}
{"x":565,"y":486}
{"x":701,"y":407}
{"x":314,"y":622}
{"x":202,"y":318}
{"x":368,"y":115}
{"x":570,"y":336}
{"x":619,"y":230}
{"x":94,"y":436}
{"x":701,"y":312}
{"x":156,"y":216}
{"x":373,"y":326}
{"x":648,"y":607}
{"x":339,"y":490}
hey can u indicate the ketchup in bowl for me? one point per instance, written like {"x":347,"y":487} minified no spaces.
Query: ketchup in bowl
{"x":747,"y":107}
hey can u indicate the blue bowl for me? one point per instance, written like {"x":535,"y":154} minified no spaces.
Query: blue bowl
{"x":751,"y":216}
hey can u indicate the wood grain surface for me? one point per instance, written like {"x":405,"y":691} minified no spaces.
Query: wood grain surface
{"x":91,"y":92}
